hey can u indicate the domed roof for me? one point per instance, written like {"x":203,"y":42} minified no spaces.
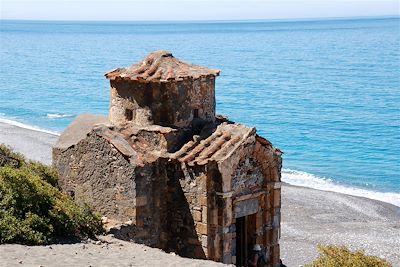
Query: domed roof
{"x":160,"y":66}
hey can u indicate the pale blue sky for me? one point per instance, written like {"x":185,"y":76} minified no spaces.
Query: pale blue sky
{"x":193,"y":10}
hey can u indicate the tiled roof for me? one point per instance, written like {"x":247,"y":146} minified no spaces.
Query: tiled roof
{"x":217,"y":147}
{"x":160,"y":66}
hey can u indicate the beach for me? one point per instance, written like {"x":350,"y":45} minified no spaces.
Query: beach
{"x":309,"y":217}
{"x":35,"y":145}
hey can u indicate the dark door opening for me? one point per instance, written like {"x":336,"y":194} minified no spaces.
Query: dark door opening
{"x":240,"y":239}
{"x":245,"y":238}
{"x":195,"y":113}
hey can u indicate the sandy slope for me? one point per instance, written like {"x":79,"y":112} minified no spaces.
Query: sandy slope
{"x":309,"y":217}
{"x":108,"y":252}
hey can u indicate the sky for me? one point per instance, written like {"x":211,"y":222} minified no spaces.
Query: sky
{"x":155,"y":10}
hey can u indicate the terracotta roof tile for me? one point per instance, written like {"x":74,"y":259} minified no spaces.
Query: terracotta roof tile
{"x":217,"y":147}
{"x":160,"y":66}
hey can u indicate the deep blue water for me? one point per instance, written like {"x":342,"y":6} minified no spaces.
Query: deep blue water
{"x":327,"y":92}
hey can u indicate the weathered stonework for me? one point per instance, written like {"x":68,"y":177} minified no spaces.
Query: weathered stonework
{"x":170,"y":173}
{"x":162,"y":90}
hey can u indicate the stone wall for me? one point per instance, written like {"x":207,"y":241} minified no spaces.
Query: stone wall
{"x":250,"y":186}
{"x":94,"y":170}
{"x":98,"y":172}
{"x":270,"y":161}
{"x":166,"y":104}
{"x":185,"y":209}
{"x":178,"y":200}
{"x":156,"y":139}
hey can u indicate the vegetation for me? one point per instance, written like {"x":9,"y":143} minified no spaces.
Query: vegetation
{"x":341,"y":256}
{"x":33,"y":210}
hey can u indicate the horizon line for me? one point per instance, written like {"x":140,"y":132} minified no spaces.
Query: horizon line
{"x":216,"y":21}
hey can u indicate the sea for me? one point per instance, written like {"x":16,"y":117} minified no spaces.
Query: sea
{"x":326,"y":92}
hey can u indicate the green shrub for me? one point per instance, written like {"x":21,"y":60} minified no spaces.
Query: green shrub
{"x":341,"y":256}
{"x":10,"y":158}
{"x":32,"y":210}
{"x":45,"y":172}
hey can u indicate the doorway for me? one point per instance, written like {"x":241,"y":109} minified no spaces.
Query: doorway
{"x":245,"y":238}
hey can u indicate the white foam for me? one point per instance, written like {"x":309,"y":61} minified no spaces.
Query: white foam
{"x":305,"y":179}
{"x":26,"y":126}
{"x":58,"y":116}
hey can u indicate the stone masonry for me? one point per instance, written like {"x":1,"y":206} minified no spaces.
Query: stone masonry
{"x":167,"y":172}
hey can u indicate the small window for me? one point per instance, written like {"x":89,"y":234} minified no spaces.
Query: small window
{"x":195,"y":113}
{"x":129,"y":114}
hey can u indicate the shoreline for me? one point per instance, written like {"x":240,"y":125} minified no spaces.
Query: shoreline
{"x":33,"y":144}
{"x":308,"y":180}
{"x":17,"y":135}
{"x":309,"y":216}
{"x":26,"y":126}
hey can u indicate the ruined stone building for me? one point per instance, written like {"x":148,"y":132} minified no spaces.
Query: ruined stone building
{"x":169,"y":173}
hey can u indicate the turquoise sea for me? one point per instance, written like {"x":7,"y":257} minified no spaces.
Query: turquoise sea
{"x":326,"y":92}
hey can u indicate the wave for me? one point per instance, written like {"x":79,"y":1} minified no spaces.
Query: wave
{"x":305,"y":179}
{"x":26,"y":126}
{"x":58,"y":116}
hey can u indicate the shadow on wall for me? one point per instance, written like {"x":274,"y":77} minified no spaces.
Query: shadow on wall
{"x":166,"y":220}
{"x":180,"y":226}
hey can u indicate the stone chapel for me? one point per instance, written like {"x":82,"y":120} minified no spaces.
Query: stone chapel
{"x":166,"y":171}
